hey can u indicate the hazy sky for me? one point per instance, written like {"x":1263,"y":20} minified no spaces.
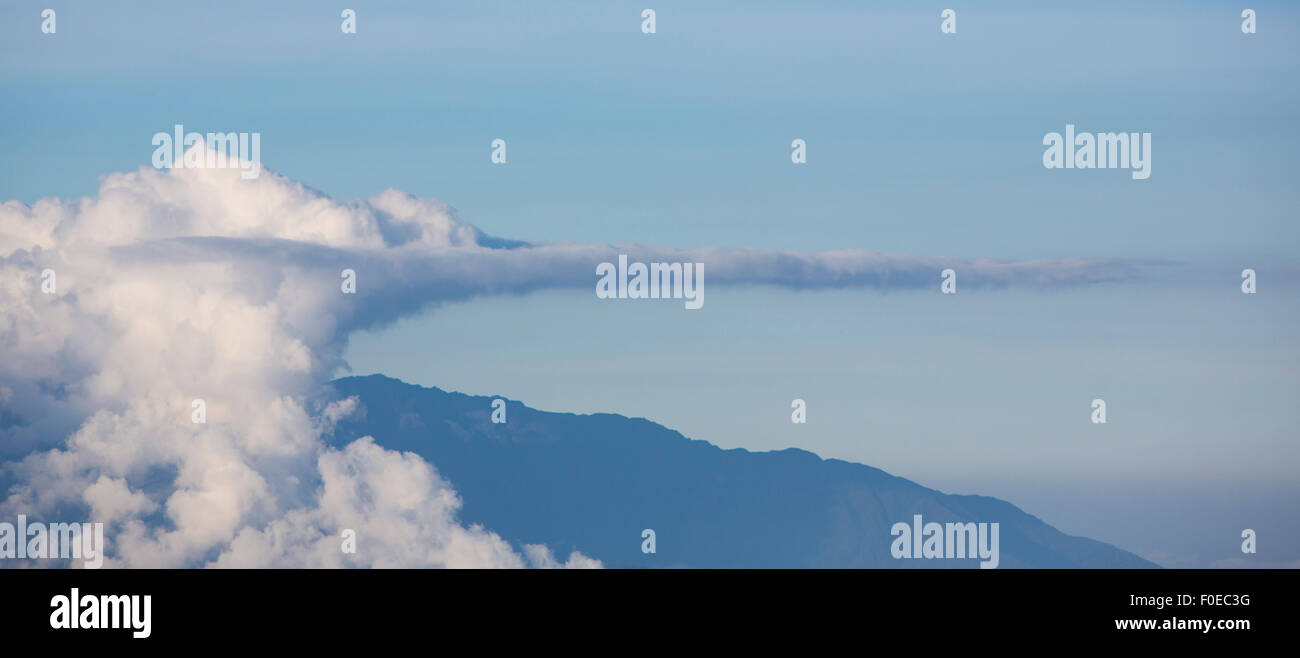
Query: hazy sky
{"x":918,"y":143}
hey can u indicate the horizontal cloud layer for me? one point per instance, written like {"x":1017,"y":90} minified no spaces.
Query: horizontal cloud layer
{"x":118,"y":311}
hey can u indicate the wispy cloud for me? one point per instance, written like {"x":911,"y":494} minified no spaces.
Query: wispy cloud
{"x":197,"y":284}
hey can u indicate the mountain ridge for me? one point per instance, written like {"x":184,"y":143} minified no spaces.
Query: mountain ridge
{"x":593,"y":482}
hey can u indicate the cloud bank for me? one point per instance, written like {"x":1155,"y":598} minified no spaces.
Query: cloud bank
{"x":171,"y":286}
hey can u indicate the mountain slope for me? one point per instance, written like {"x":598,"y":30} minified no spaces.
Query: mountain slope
{"x":593,"y":483}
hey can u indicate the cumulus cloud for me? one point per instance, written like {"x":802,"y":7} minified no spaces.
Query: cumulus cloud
{"x":174,"y":286}
{"x":171,"y":286}
{"x":402,"y":512}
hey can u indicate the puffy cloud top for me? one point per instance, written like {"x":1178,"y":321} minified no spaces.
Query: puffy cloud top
{"x":118,"y":311}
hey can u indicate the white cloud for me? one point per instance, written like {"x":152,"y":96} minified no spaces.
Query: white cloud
{"x":403,"y":514}
{"x":195,"y":283}
{"x":98,"y":379}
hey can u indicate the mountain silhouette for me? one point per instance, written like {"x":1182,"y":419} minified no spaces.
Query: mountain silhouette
{"x":593,"y":483}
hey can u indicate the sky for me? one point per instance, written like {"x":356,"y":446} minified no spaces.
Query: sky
{"x":919,"y":143}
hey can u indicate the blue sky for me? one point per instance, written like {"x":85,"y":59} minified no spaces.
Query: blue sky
{"x":918,"y":143}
